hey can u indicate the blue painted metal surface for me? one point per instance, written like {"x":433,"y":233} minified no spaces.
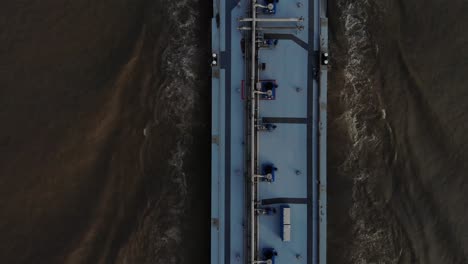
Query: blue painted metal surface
{"x":297,"y":146}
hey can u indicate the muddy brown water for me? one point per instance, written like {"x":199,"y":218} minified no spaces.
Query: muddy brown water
{"x":80,"y":182}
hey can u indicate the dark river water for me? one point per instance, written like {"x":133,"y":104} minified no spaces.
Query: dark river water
{"x":105,"y":142}
{"x":399,"y":145}
{"x":104,"y":139}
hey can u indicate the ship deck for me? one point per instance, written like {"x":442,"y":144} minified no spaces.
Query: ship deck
{"x":296,"y":146}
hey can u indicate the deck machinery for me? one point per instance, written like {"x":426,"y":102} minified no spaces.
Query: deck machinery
{"x":269,"y":101}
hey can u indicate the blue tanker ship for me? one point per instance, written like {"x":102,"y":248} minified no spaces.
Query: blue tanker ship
{"x":269,"y":127}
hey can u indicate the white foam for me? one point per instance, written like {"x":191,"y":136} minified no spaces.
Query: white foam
{"x":361,"y":101}
{"x":175,"y":100}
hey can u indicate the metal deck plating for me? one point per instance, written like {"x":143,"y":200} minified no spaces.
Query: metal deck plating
{"x":287,"y":132}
